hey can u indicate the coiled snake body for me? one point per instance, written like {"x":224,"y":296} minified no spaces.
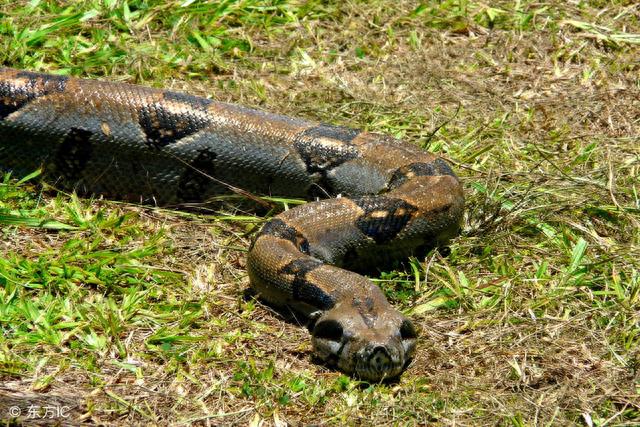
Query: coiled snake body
{"x":127,"y":141}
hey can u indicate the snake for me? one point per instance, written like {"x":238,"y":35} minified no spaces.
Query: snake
{"x":372,"y":199}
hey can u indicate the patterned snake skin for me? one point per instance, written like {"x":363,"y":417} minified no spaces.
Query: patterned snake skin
{"x":155,"y":146}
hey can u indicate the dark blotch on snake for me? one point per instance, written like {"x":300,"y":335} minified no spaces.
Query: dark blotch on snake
{"x":74,"y":153}
{"x":196,"y":178}
{"x":320,"y":157}
{"x":278,"y":228}
{"x":339,"y":133}
{"x":164,"y":123}
{"x":12,"y":97}
{"x":384,"y":217}
{"x":301,"y":288}
{"x":436,"y":168}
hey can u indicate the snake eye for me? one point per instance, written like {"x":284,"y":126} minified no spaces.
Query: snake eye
{"x":329,"y":330}
{"x":407,"y":330}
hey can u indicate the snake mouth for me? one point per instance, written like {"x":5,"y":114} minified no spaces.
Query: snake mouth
{"x":379,"y":363}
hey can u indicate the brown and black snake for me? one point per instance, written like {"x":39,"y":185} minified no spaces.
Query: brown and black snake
{"x":388,"y":199}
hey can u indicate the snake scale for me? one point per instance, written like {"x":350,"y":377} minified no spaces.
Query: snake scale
{"x":388,"y":199}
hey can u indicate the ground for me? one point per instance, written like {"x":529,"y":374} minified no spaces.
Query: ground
{"x":139,"y":315}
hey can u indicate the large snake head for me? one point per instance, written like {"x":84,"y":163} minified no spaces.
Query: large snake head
{"x":373,"y":344}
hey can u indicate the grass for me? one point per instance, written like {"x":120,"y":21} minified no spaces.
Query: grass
{"x":133,"y":314}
